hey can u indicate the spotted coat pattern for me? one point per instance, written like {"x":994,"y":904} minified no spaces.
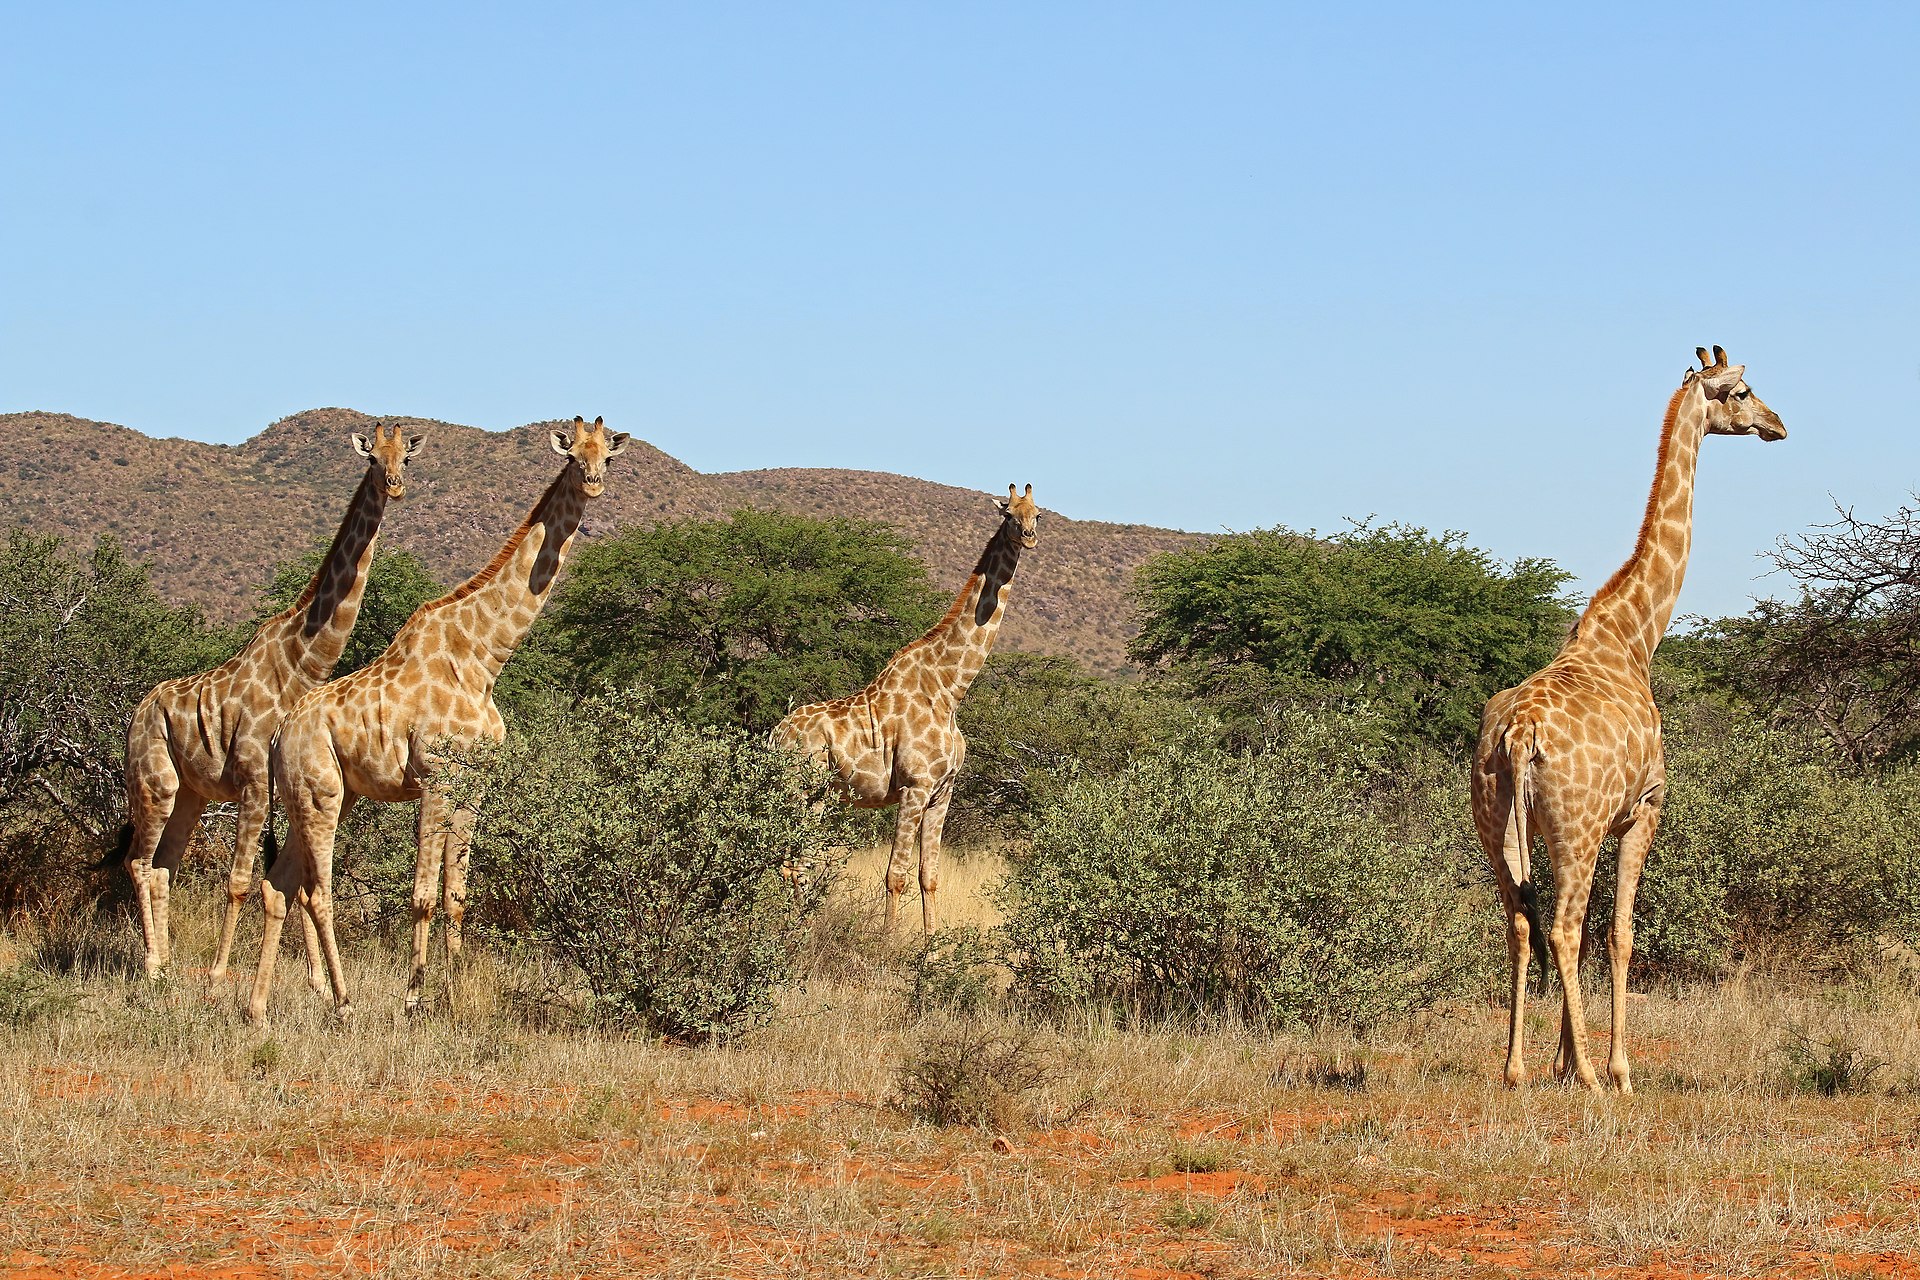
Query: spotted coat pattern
{"x":898,"y":741}
{"x":203,"y":738}
{"x":1573,"y":753}
{"x":373,"y":734}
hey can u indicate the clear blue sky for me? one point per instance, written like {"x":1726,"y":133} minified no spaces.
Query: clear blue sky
{"x":1199,"y":265}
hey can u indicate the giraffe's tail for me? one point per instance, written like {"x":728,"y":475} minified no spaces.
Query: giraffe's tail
{"x":1520,"y":745}
{"x":269,"y":842}
{"x":117,"y":848}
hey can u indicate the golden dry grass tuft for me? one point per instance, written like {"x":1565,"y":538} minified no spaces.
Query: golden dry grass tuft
{"x":148,"y":1131}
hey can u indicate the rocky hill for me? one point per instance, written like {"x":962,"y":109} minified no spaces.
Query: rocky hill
{"x":212,"y":520}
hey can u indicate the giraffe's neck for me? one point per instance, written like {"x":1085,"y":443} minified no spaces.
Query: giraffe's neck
{"x":1627,"y":617}
{"x":959,"y":643}
{"x":322,"y":618}
{"x":493,"y":610}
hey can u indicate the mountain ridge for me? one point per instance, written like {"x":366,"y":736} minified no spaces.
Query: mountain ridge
{"x":212,"y":520}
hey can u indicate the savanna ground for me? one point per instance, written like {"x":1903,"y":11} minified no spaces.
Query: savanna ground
{"x":149,"y":1132}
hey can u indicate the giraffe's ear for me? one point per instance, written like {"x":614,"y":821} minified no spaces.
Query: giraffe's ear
{"x":616,"y":442}
{"x":413,"y":445}
{"x":1000,"y":503}
{"x":1722,"y":378}
{"x":561,"y":444}
{"x":362,"y":445}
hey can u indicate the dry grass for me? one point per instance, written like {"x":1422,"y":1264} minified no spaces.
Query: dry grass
{"x":148,"y":1131}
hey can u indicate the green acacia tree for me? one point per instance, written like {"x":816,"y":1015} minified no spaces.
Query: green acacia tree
{"x":1419,"y":627}
{"x":731,"y":621}
{"x":397,"y":584}
{"x":83,"y":636}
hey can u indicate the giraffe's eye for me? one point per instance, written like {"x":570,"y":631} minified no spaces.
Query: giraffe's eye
{"x":1742,"y":394}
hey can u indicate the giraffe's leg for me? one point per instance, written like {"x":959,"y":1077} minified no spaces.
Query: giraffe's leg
{"x":930,"y":828}
{"x":1500,"y":839}
{"x":277,"y":889}
{"x":1573,"y":871}
{"x":317,"y":979}
{"x":322,"y":823}
{"x":152,"y":787}
{"x":906,"y":834}
{"x":430,"y":854}
{"x":456,"y":850}
{"x":1634,"y":844}
{"x":250,"y":821}
{"x":174,"y":838}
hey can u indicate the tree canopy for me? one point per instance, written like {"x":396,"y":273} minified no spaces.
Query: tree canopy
{"x":735,"y":620}
{"x":1844,"y":658}
{"x":1421,"y":627}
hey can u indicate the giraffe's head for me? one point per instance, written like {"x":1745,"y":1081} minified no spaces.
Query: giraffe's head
{"x":590,"y":445}
{"x":1732,"y":408}
{"x":1020,"y":512}
{"x":388,"y":450}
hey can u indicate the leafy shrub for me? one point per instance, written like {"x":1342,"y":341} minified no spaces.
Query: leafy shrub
{"x":735,"y":620}
{"x":1831,"y":1066}
{"x":645,"y":855}
{"x":970,"y":1073}
{"x":83,"y":636}
{"x":1768,"y":848}
{"x":958,"y":971}
{"x":1031,"y":720}
{"x":1298,"y":885}
{"x":1421,"y":628}
{"x":28,"y":996}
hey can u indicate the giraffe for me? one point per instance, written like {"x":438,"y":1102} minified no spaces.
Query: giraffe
{"x":897,"y":741}
{"x":377,"y":733}
{"x":1574,"y":751}
{"x":203,"y":738}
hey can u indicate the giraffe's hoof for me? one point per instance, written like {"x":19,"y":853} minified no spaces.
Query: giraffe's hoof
{"x":343,"y":1014}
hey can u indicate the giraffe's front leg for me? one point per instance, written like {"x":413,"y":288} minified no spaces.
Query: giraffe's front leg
{"x":906,"y":834}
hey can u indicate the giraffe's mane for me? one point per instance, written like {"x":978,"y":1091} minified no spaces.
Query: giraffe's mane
{"x":333,"y":548}
{"x":506,"y":552}
{"x":1612,"y":584}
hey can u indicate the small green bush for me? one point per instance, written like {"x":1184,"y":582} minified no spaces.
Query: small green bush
{"x":646,"y":856}
{"x":1831,"y":1066}
{"x":1302,"y":884}
{"x":972,"y":1074}
{"x":957,"y":971}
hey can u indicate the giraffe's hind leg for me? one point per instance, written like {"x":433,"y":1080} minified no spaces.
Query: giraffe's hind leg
{"x":1573,"y":864}
{"x":174,"y":838}
{"x":1500,"y":839}
{"x":1634,"y":843}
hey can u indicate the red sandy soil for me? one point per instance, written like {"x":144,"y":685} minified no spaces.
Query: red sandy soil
{"x":206,"y":1189}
